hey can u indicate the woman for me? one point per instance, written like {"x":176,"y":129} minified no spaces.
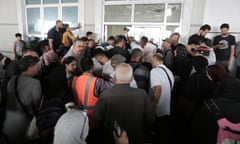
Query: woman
{"x":70,"y":64}
{"x":204,"y":127}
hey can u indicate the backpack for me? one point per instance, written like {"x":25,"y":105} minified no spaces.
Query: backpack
{"x":141,"y":75}
{"x":48,"y":116}
{"x":228,"y":132}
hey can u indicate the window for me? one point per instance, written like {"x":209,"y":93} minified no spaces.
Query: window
{"x":118,"y":13}
{"x":42,"y":15}
{"x":33,"y":1}
{"x":70,"y":15}
{"x":172,"y":29}
{"x":153,"y":19}
{"x":50,"y":17}
{"x":174,"y":13}
{"x":50,"y":1}
{"x":69,"y":1}
{"x":115,"y":0}
{"x":33,"y":20}
{"x":113,"y":30}
{"x":150,"y":32}
{"x":149,"y":13}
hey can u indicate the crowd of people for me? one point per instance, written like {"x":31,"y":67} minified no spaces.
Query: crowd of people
{"x":75,"y":90}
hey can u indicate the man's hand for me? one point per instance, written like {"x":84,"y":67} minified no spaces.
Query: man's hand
{"x":220,"y":46}
{"x":229,"y":62}
{"x":121,"y":140}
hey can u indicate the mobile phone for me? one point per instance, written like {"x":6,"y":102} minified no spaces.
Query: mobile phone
{"x":117,"y":129}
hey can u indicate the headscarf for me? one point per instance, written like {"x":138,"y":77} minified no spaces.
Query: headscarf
{"x":200,"y":63}
{"x":229,"y":89}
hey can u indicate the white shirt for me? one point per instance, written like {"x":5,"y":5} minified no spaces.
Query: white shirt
{"x":134,"y":45}
{"x":211,"y":57}
{"x":158,"y":77}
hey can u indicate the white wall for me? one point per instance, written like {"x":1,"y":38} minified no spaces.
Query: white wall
{"x":8,"y":24}
{"x":224,"y":12}
{"x":90,"y":15}
{"x":197,"y":16}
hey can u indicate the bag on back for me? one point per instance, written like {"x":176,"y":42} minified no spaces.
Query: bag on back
{"x":48,"y":116}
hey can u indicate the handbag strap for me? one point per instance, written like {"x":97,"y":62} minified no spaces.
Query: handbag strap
{"x":213,"y":108}
{"x":18,"y":98}
{"x":167,"y":76}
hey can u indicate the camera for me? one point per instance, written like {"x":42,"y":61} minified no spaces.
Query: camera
{"x":203,"y":51}
{"x":194,"y":50}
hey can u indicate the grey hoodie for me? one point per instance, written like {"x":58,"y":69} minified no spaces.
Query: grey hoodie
{"x":72,"y":128}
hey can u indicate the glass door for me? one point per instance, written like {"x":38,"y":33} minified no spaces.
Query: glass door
{"x":154,"y":33}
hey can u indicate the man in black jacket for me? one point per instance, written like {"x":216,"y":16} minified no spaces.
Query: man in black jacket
{"x":140,"y":72}
{"x":120,"y":47}
{"x":130,"y":107}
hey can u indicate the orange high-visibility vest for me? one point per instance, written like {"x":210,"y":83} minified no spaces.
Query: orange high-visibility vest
{"x":83,"y":91}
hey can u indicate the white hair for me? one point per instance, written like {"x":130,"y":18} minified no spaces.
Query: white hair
{"x":124,"y":72}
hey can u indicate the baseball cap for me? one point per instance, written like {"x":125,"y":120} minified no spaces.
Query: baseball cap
{"x":167,"y":40}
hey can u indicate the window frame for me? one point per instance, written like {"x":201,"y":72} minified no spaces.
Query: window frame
{"x":59,"y":5}
{"x":163,"y":24}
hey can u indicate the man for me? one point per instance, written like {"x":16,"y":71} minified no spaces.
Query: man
{"x":102,"y":57}
{"x":179,"y":52}
{"x":91,"y":46}
{"x":148,"y":49}
{"x":26,"y":90}
{"x":224,"y":45}
{"x":87,"y":88}
{"x":130,"y":107}
{"x":120,"y":47}
{"x":55,"y":35}
{"x":77,"y":51}
{"x":19,"y":46}
{"x":168,"y":53}
{"x":143,"y":42}
{"x":195,"y":39}
{"x":110,"y":43}
{"x":133,"y":43}
{"x":162,"y":81}
{"x":140,"y":72}
{"x":89,"y":35}
{"x":178,"y":48}
{"x":115,"y":61}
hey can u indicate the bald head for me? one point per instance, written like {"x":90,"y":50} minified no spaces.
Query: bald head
{"x":123,"y":73}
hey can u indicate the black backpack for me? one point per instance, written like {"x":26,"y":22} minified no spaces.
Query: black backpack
{"x":48,"y":116}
